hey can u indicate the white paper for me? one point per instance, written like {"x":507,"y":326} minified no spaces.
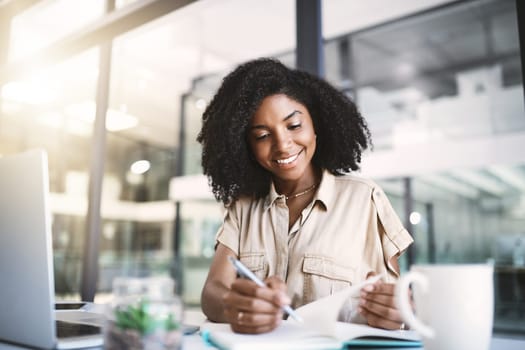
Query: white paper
{"x":322,"y":314}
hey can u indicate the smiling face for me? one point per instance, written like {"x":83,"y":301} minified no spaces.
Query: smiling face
{"x":282,"y":139}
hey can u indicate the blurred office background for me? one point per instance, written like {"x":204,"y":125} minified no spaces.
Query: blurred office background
{"x":440,"y":83}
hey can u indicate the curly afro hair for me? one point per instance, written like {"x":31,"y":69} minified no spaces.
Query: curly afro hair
{"x":342,"y":133}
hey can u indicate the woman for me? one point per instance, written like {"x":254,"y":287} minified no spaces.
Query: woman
{"x":277,"y":146}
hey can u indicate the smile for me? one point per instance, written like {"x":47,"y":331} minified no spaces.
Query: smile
{"x":288,"y":160}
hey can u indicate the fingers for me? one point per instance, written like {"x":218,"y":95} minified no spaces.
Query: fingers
{"x":275,"y":283}
{"x":274,"y":294}
{"x":378,"y":321}
{"x":279,"y":287}
{"x":260,"y":301}
{"x":381,"y":288}
{"x":252,"y":322}
{"x":377,"y":305}
{"x":253,"y":309}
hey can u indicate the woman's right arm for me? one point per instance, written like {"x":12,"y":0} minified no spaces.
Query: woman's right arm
{"x":218,"y":283}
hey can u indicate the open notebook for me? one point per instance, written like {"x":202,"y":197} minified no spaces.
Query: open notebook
{"x":320,"y":330}
{"x":27,"y":287}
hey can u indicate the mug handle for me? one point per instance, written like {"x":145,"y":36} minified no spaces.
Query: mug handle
{"x":404,"y":306}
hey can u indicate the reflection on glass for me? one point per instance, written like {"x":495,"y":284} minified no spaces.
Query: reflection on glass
{"x":445,"y":75}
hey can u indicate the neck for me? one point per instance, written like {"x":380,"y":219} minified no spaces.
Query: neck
{"x":290,"y":188}
{"x":302,"y":193}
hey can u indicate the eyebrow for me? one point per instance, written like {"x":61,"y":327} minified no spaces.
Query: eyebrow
{"x":284,"y":119}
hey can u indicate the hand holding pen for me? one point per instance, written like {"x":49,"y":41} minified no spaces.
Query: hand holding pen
{"x":252,"y":306}
{"x":243,"y":271}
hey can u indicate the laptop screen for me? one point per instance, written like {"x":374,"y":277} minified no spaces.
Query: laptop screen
{"x":26,"y":265}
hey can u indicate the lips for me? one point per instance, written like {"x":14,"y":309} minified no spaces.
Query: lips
{"x":286,"y":161}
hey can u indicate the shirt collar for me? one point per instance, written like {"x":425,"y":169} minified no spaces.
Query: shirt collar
{"x":272,"y":196}
{"x":326,"y":191}
{"x":324,"y":194}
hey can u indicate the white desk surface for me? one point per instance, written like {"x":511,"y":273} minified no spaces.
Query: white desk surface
{"x":195,"y":342}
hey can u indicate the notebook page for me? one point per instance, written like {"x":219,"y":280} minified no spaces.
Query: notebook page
{"x":321,"y":315}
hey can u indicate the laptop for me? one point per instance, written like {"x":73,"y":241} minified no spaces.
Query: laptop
{"x":27,"y":288}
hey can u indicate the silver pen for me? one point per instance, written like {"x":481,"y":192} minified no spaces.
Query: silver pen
{"x":245,"y":272}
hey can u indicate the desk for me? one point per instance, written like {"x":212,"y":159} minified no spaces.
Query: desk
{"x":194,"y":342}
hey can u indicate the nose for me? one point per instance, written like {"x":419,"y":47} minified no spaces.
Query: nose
{"x":282,"y":140}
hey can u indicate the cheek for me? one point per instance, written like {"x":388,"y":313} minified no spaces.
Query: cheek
{"x":259,"y":152}
{"x":310,"y":142}
{"x":314,"y":140}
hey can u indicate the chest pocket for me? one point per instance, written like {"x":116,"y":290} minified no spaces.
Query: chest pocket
{"x":323,"y":276}
{"x":256,"y":263}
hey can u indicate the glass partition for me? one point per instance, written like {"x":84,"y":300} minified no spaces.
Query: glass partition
{"x":444,"y":75}
{"x":40,"y":111}
{"x":430,"y":81}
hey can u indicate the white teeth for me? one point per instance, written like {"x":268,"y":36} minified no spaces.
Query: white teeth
{"x":287,"y":160}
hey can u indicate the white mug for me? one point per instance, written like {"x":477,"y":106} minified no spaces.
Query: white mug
{"x":454,"y":305}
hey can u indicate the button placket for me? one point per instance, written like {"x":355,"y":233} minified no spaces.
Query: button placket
{"x":281,"y":238}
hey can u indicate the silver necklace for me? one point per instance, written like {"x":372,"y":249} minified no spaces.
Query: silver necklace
{"x":309,"y":189}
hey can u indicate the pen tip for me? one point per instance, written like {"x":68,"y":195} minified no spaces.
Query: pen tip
{"x":297,"y":318}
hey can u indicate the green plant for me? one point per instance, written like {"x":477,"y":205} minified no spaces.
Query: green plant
{"x":137,"y":317}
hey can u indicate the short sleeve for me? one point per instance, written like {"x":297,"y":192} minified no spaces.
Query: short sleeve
{"x":396,"y":238}
{"x":229,"y":232}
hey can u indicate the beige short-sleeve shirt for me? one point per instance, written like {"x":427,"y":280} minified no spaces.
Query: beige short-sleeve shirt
{"x":348,"y":230}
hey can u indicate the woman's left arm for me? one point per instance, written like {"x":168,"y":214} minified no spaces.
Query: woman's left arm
{"x":377,"y":304}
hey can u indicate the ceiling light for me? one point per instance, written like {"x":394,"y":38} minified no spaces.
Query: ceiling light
{"x":200,"y":103}
{"x":415,"y":218}
{"x":116,"y":120}
{"x":32,"y":93}
{"x":58,"y":121}
{"x":140,"y":167}
{"x":119,"y":120}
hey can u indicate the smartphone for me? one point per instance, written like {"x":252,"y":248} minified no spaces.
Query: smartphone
{"x":69,"y":306}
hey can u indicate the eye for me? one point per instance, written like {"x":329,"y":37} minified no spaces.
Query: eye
{"x":294,"y":126}
{"x":261,"y":137}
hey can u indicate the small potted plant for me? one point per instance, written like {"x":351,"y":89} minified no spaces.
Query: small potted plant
{"x":144,"y":322}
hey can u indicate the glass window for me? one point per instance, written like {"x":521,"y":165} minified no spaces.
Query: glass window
{"x":44,"y":110}
{"x":445,"y":77}
{"x":163,"y":75}
{"x":49,"y":21}
{"x":475,"y":216}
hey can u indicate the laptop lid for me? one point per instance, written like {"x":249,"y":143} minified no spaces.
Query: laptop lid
{"x":26,"y":258}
